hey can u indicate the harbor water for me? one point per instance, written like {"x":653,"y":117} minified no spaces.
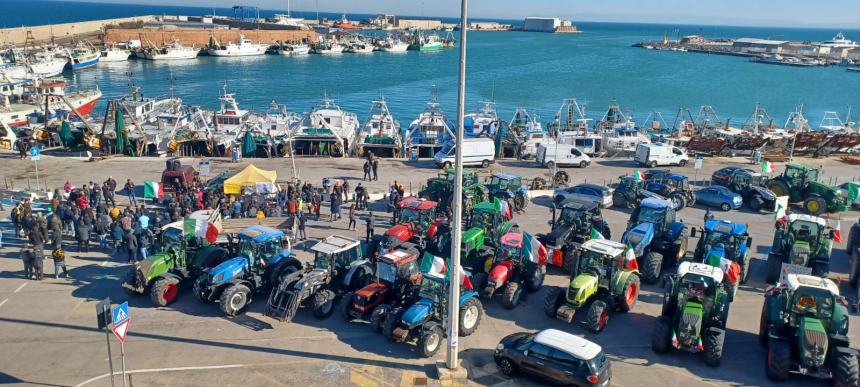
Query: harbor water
{"x":515,"y":69}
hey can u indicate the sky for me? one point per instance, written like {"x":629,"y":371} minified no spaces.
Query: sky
{"x":782,"y":13}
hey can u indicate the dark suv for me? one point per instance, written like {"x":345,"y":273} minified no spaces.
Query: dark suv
{"x":558,"y":357}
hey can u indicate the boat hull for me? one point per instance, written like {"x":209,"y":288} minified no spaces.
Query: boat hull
{"x":83,"y":65}
{"x":48,"y":68}
{"x":171,"y":56}
{"x":229,"y":53}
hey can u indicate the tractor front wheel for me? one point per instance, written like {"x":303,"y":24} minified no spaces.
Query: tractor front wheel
{"x":554,"y":300}
{"x":234,"y":299}
{"x":774,"y":266}
{"x":651,"y":266}
{"x":164,"y":291}
{"x":846,"y":369}
{"x":430,"y":340}
{"x":470,"y":316}
{"x":662,"y":335}
{"x":619,"y":200}
{"x":377,"y":317}
{"x":323,"y":303}
{"x":627,"y":299}
{"x":714,"y":339}
{"x":597,"y":316}
{"x":200,"y":286}
{"x":390,"y":322}
{"x":131,"y":279}
{"x":778,"y":359}
{"x":511,"y":295}
{"x":755,"y":203}
{"x":520,"y":202}
{"x":346,"y":306}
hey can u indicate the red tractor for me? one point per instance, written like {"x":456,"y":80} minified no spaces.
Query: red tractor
{"x":398,"y":278}
{"x":520,"y":262}
{"x":417,"y":223}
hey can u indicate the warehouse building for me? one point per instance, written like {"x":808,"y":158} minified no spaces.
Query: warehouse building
{"x":541,"y":24}
{"x":760,"y":45}
{"x":419,"y":24}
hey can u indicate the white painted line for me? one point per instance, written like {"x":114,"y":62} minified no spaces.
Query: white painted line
{"x":4,"y":301}
{"x":20,"y":287}
{"x":144,"y":371}
{"x":105,"y":262}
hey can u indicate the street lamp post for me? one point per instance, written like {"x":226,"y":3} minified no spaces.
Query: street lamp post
{"x":452,"y":359}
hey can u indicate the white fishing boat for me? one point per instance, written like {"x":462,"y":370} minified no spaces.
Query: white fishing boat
{"x":327,"y":46}
{"x":11,"y":71}
{"x":114,"y":53}
{"x":359,"y":45}
{"x":24,"y":100}
{"x":571,"y":126}
{"x":45,"y":63}
{"x":242,"y":47}
{"x":229,"y":120}
{"x":83,"y":56}
{"x":172,"y":51}
{"x":380,"y":134}
{"x":482,"y":123}
{"x":832,"y":122}
{"x":293,"y":49}
{"x":428,"y":133}
{"x":325,"y":131}
{"x":619,"y":130}
{"x":526,"y":133}
{"x":393,"y":44}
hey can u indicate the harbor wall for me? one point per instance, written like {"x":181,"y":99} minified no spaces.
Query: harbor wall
{"x":201,"y":37}
{"x":65,"y":31}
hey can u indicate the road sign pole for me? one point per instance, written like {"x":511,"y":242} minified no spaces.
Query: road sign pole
{"x":36,"y":162}
{"x":122,"y":352}
{"x":106,"y":314}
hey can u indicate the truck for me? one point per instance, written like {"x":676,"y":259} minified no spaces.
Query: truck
{"x":476,"y":151}
{"x":561,"y":155}
{"x":803,"y":241}
{"x":694,"y":314}
{"x":658,"y":239}
{"x":801,"y":184}
{"x":654,"y":155}
{"x":176,"y":176}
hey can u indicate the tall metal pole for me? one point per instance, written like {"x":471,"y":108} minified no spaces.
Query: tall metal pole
{"x":456,"y":231}
{"x":106,"y":312}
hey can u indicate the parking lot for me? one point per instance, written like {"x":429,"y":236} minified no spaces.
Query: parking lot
{"x":49,"y":336}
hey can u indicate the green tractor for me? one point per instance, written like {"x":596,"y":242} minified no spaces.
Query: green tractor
{"x":510,"y":188}
{"x":608,"y":280}
{"x":804,"y":325}
{"x":800,"y":183}
{"x":440,"y":189}
{"x":486,"y":224}
{"x":695,"y":311}
{"x":800,"y":241}
{"x":181,"y":257}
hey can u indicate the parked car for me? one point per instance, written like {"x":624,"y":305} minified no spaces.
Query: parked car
{"x":719,"y":196}
{"x":723,"y":176}
{"x":598,"y":193}
{"x":845,"y":185}
{"x":558,"y":357}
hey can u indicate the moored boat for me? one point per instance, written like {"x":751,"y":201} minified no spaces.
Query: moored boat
{"x":83,"y":56}
{"x":115,"y":54}
{"x":172,"y":51}
{"x":427,"y":133}
{"x":380,"y":134}
{"x":324,"y":131}
{"x":241,"y":47}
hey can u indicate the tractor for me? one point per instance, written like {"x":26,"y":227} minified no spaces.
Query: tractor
{"x":519,"y":263}
{"x":657,"y":238}
{"x":510,"y":188}
{"x":261,"y":261}
{"x":800,"y":183}
{"x":570,"y":229}
{"x":417,"y":223}
{"x":750,"y":185}
{"x":800,"y":241}
{"x":695,"y":311}
{"x":339,"y":267}
{"x":441,"y":190}
{"x":608,"y":280}
{"x":853,"y":250}
{"x":674,"y":187}
{"x":423,"y":321}
{"x":398,"y":277}
{"x":804,"y":326}
{"x":180,"y":258}
{"x":486,"y":224}
{"x":629,"y":191}
{"x":726,"y":245}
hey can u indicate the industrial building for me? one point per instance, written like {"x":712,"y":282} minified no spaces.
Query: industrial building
{"x":548,"y":24}
{"x":420,"y":24}
{"x":764,"y":46}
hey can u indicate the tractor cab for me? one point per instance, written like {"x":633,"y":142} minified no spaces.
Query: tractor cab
{"x":675,"y":187}
{"x":802,"y":237}
{"x":798,"y":175}
{"x":658,"y":212}
{"x":261,"y":244}
{"x":336,"y":253}
{"x":417,"y":222}
{"x":506,"y":186}
{"x":398,"y":276}
{"x":801,"y":240}
{"x":698,"y":282}
{"x":398,"y":266}
{"x":510,"y":247}
{"x":725,"y":244}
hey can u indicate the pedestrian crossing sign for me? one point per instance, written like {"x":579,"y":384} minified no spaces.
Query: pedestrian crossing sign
{"x":120,"y":313}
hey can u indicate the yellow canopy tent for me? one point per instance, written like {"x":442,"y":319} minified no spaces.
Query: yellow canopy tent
{"x":262,"y":180}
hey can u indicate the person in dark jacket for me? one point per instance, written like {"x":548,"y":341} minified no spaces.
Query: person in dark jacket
{"x":84,"y":237}
{"x":131,"y":246}
{"x":371,"y":224}
{"x":367,"y":169}
{"x":27,"y":257}
{"x":55,"y":225}
{"x":302,"y":234}
{"x":101,"y":228}
{"x":351,"y":225}
{"x":375,"y":166}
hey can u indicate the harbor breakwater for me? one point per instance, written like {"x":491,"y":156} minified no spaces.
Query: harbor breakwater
{"x":65,"y":31}
{"x":201,"y":37}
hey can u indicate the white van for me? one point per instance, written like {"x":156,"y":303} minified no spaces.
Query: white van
{"x":652,"y":155}
{"x":563,"y":155}
{"x":476,"y":151}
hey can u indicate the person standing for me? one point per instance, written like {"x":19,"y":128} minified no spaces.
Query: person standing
{"x":59,"y":257}
{"x":371,"y":223}
{"x":375,"y":165}
{"x":27,"y":257}
{"x":38,"y":243}
{"x":351,"y":225}
{"x":346,"y":191}
{"x":367,"y":169}
{"x":144,"y":240}
{"x":56,"y":227}
{"x":332,"y":209}
{"x":131,"y":246}
{"x":83,"y":237}
{"x":302,"y":234}
{"x":129,"y":190}
{"x":101,"y":228}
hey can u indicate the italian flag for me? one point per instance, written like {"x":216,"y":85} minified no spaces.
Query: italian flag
{"x":437,"y":267}
{"x":594,"y":234}
{"x":630,"y":262}
{"x":503,"y":207}
{"x":152,"y":190}
{"x":768,"y":167}
{"x":638,"y":175}
{"x":837,"y":232}
{"x":204,"y":228}
{"x":534,"y":250}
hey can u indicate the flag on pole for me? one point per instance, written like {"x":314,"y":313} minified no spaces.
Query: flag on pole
{"x":853,"y":192}
{"x":837,"y":232}
{"x":534,"y":250}
{"x":433,"y":266}
{"x":503,"y":207}
{"x":594,"y":234}
{"x":152,"y":190}
{"x":638,"y":175}
{"x":629,"y":255}
{"x":213,"y":226}
{"x":781,"y":206}
{"x":767,"y":167}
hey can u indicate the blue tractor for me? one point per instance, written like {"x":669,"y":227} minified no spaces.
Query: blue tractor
{"x":261,"y":260}
{"x":726,"y":245}
{"x":673,"y":186}
{"x":508,"y":187}
{"x":423,"y":320}
{"x":656,"y":236}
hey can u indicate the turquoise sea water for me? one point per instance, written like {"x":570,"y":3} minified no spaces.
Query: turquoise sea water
{"x":532,"y":70}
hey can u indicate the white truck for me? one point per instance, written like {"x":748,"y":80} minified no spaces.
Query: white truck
{"x":562,"y":155}
{"x":653,"y":155}
{"x":476,"y":151}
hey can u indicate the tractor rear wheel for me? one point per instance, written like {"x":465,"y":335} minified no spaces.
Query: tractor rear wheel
{"x":755,"y":203}
{"x":627,"y":298}
{"x":778,"y":359}
{"x":762,"y":325}
{"x":164,"y":291}
{"x":597,"y":316}
{"x":534,"y":279}
{"x":470,"y":316}
{"x":778,"y":187}
{"x":377,"y":317}
{"x":323,"y":303}
{"x":774,"y":266}
{"x":554,"y":300}
{"x":815,"y":206}
{"x":390,"y":322}
{"x":430,"y":340}
{"x":651,"y":266}
{"x":520,"y":202}
{"x":662,"y":335}
{"x":846,"y":369}
{"x":234,"y":299}
{"x":714,"y":340}
{"x":346,"y":306}
{"x":511,"y":295}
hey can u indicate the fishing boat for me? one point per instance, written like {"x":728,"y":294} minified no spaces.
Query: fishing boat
{"x":619,"y":130}
{"x":482,"y":123}
{"x":10,"y":70}
{"x":83,"y":56}
{"x":327,"y":46}
{"x":359,"y":45}
{"x":172,"y":51}
{"x":831,"y":122}
{"x":242,"y":47}
{"x":393,"y":44}
{"x":292,"y":49}
{"x":380,"y":133}
{"x":524,"y":132}
{"x":571,"y":126}
{"x":427,"y":134}
{"x":22,"y":101}
{"x":422,"y":41}
{"x":854,"y":69}
{"x":345,"y":24}
{"x":114,"y":53}
{"x":325,"y":131}
{"x":45,"y":63}
{"x":229,"y":120}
